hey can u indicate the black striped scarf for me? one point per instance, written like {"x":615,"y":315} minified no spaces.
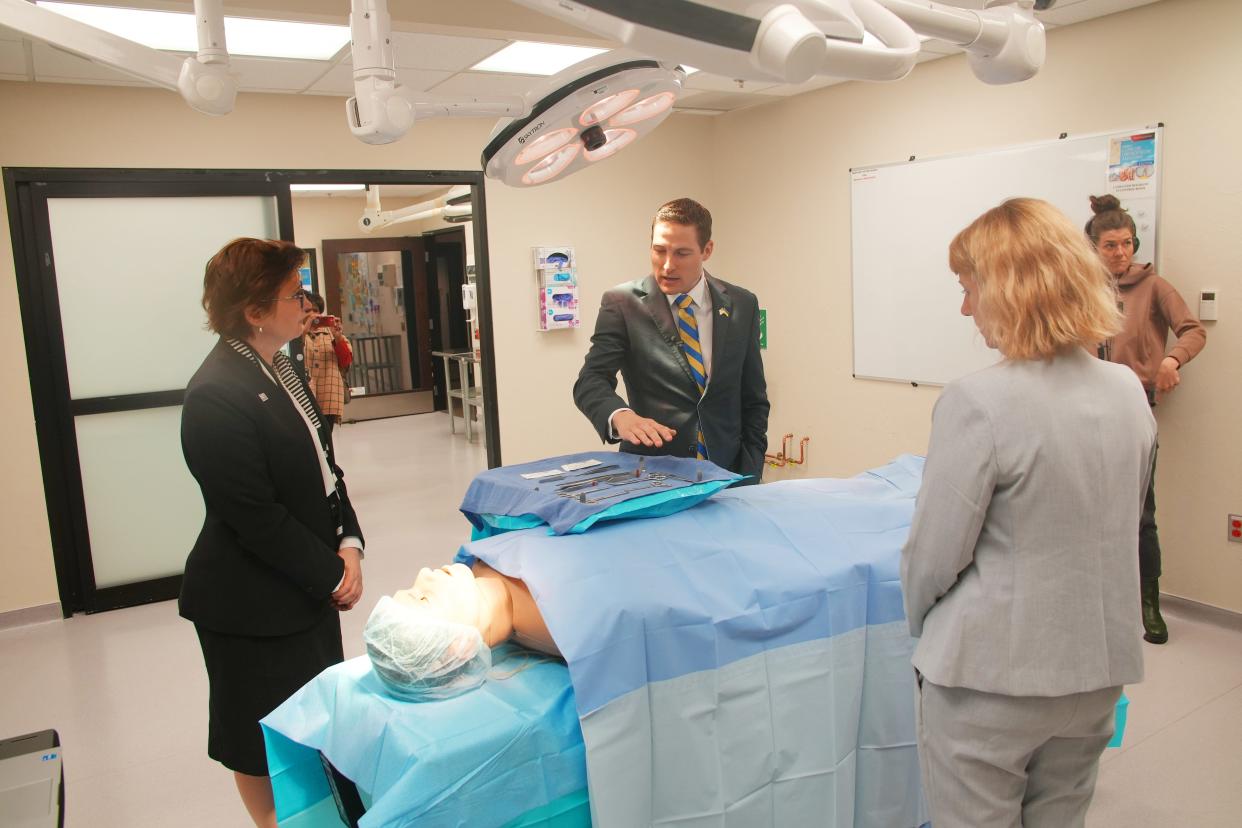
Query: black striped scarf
{"x":289,"y":378}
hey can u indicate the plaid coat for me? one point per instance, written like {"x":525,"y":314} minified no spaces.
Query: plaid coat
{"x":324,"y":370}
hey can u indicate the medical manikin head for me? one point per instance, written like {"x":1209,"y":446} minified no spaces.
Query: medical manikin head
{"x":425,"y":642}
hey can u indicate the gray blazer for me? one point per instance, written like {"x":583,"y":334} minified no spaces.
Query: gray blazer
{"x":1021,"y":570}
{"x":635,"y":335}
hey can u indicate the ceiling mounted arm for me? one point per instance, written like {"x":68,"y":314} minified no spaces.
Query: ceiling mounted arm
{"x":453,"y":207}
{"x":1004,"y":43}
{"x":382,"y":110}
{"x":203,"y":79}
{"x":791,"y":41}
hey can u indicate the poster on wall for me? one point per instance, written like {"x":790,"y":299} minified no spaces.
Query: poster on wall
{"x":308,"y":273}
{"x":358,"y":301}
{"x":1132,"y":165}
{"x":1133,"y":176}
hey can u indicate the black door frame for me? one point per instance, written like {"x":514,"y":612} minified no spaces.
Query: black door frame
{"x":434,"y":242}
{"x":26,"y":191}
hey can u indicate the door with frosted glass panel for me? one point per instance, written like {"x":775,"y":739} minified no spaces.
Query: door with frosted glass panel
{"x":121,"y":288}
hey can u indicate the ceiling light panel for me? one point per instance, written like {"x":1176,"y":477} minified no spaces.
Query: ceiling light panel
{"x":175,"y":31}
{"x":524,"y":57}
{"x":157,"y":29}
{"x":283,"y":38}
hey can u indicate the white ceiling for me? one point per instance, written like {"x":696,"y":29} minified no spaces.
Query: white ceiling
{"x":436,"y":42}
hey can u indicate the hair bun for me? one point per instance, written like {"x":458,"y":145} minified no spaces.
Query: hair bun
{"x":1104,"y":203}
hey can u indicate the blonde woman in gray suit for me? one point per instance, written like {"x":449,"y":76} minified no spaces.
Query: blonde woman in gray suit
{"x":1020,"y":573}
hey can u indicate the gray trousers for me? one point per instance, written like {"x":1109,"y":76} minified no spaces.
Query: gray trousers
{"x":992,"y":761}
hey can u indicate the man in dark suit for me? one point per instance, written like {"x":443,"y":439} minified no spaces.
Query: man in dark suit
{"x":687,"y":346}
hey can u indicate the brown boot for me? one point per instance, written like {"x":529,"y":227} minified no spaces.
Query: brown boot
{"x":1154,"y":629}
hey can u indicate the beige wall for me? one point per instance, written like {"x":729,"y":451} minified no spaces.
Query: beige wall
{"x":784,"y":204}
{"x":776,"y":179}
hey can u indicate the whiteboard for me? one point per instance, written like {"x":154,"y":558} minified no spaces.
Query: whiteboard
{"x":907,"y":321}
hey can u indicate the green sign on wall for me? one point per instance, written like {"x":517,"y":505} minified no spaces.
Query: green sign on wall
{"x":763,"y":329}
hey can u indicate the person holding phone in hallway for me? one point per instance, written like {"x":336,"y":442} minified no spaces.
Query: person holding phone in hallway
{"x":328,"y":357}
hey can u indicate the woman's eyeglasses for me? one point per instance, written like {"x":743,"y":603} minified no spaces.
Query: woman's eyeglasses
{"x":301,"y":295}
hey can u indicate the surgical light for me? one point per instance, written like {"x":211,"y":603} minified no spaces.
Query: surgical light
{"x":644,"y":109}
{"x":587,"y":113}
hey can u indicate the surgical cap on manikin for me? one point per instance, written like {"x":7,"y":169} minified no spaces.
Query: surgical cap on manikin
{"x":420,"y":657}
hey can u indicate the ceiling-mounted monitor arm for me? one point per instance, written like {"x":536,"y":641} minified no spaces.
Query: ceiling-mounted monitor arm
{"x":1004,"y":42}
{"x":790,"y":41}
{"x":382,"y":110}
{"x":202,"y":79}
{"x":454,"y":207}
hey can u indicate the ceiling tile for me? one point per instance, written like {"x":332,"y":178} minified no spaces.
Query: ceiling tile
{"x":55,"y":65}
{"x":789,"y":90}
{"x":1067,"y":12}
{"x":725,"y":101}
{"x":12,"y":59}
{"x":709,"y":82}
{"x":441,"y":52}
{"x":487,"y":83}
{"x":276,"y":75}
{"x":339,"y":80}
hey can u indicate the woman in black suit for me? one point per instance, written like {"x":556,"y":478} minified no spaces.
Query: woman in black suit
{"x":279,"y":554}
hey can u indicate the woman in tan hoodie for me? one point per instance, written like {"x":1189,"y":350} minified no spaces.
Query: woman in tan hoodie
{"x":1152,"y":309}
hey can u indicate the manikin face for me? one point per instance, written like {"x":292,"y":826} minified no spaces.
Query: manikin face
{"x":449,"y":593}
{"x":1116,"y":249}
{"x":970,"y":306}
{"x":285,"y":316}
{"x":676,"y":258}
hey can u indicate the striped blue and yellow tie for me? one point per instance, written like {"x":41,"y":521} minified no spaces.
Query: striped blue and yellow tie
{"x":689,"y":330}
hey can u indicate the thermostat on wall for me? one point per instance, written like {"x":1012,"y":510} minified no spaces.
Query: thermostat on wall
{"x":1207,"y":305}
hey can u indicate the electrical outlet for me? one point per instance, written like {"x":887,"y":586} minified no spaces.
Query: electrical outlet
{"x":1235,"y":528}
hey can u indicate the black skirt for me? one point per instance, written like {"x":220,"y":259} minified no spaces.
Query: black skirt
{"x":250,"y":676}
